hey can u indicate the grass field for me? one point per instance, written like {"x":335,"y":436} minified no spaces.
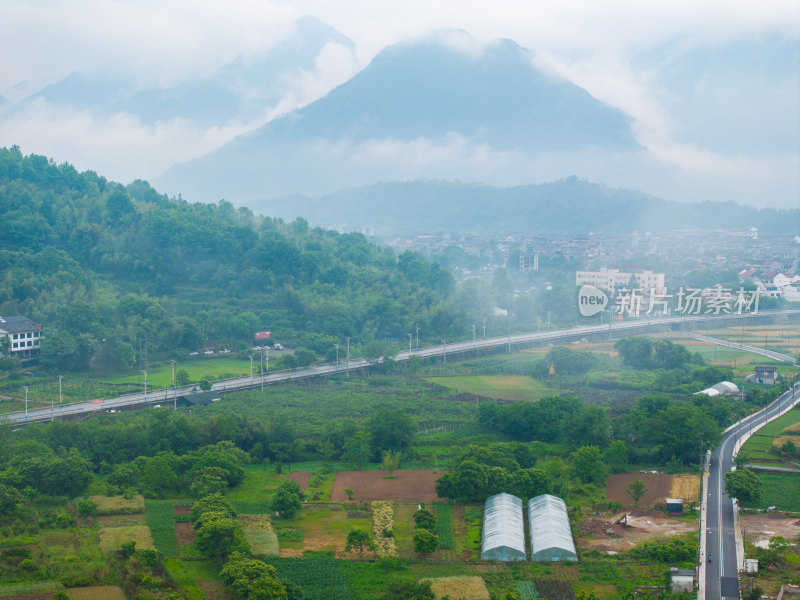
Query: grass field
{"x":112,"y":538}
{"x":319,"y":527}
{"x":462,"y":587}
{"x":118,"y":505}
{"x":780,"y":491}
{"x":757,"y":448}
{"x":502,"y":387}
{"x":97,"y":592}
{"x":259,"y":534}
{"x":187,"y":574}
{"x":160,"y":375}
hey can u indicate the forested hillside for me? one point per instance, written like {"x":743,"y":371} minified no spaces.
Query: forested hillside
{"x":103,"y":266}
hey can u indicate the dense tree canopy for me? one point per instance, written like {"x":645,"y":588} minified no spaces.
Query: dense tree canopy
{"x":105,"y":266}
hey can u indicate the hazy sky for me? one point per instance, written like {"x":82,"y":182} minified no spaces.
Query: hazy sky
{"x":159,"y":44}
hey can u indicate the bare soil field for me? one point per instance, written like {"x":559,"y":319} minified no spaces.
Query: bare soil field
{"x":759,"y":528}
{"x":302,"y":478}
{"x":658,"y":487}
{"x":213,"y":589}
{"x":183,"y":509}
{"x":414,"y":485}
{"x":642,"y":525}
{"x":184,"y":533}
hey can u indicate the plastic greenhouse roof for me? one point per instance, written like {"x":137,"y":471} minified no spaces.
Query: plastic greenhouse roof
{"x":503,"y":528}
{"x":549,"y":527}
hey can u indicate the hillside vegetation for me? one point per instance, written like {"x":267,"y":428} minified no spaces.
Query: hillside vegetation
{"x":104,"y":266}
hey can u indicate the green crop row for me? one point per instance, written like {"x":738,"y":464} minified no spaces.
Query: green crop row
{"x":161,"y":520}
{"x":319,"y":576}
{"x":444,"y":525}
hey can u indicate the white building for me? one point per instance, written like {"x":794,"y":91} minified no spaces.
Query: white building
{"x":24,"y":336}
{"x":614,"y":280}
{"x":781,"y":286}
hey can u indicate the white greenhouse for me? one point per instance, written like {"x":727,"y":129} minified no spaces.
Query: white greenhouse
{"x":550,"y":534}
{"x":503,"y":529}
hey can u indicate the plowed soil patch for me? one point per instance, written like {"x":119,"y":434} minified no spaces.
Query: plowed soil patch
{"x":415,"y":485}
{"x":302,"y":478}
{"x":183,"y":509}
{"x":213,"y":589}
{"x":184,"y":533}
{"x":659,"y":487}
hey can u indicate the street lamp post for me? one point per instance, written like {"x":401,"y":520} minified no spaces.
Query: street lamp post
{"x":473,"y":337}
{"x":337,"y":355}
{"x":251,"y":367}
{"x":60,"y":377}
{"x":145,"y":386}
{"x":410,"y":337}
{"x":26,"y":402}
{"x":417,"y":338}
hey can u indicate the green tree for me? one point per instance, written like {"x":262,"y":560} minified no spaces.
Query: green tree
{"x":181,"y":377}
{"x":616,"y":455}
{"x":744,"y":485}
{"x":10,"y":499}
{"x":390,"y":462}
{"x":636,"y":489}
{"x":359,"y":538}
{"x":425,"y":542}
{"x":356,"y":450}
{"x":287,"y":499}
{"x":219,"y":535}
{"x":424,"y":519}
{"x":587,"y":464}
{"x":252,"y":579}
{"x":408,"y":590}
{"x":86,"y":508}
{"x":390,"y":429}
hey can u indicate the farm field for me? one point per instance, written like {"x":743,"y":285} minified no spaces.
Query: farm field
{"x":416,"y":485}
{"x":757,"y":449}
{"x":658,"y":488}
{"x":780,"y":491}
{"x":500,"y":387}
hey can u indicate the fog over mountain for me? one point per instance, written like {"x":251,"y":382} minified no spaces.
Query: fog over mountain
{"x":253,"y":102}
{"x":452,"y":108}
{"x":566,"y":206}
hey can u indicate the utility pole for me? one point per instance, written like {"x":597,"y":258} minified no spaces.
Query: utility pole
{"x":261,"y":363}
{"x":251,"y":367}
{"x":508,"y":314}
{"x":484,"y":327}
{"x":347,"y":367}
{"x":444,"y":353}
{"x":145,"y":387}
{"x":60,"y":377}
{"x":26,"y":401}
{"x":175,"y":390}
{"x":474,"y":347}
{"x":417,"y":338}
{"x":410,"y":337}
{"x":337,"y":355}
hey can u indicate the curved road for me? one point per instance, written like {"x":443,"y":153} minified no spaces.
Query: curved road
{"x":721,"y":575}
{"x":241,"y":383}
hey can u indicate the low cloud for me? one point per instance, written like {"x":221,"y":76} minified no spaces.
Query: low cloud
{"x":118,"y":147}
